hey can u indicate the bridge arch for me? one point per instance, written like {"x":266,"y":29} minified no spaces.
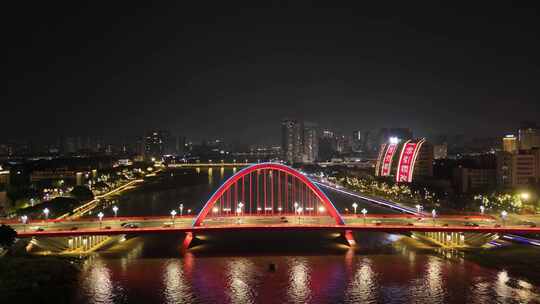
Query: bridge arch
{"x":329,"y":207}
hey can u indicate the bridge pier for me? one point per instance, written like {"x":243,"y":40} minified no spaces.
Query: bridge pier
{"x":86,"y":243}
{"x":457,"y":239}
{"x":187,"y":240}
{"x":349,"y":236}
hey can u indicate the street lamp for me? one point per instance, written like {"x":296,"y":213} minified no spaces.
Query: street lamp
{"x":300,"y":209}
{"x":215,"y":210}
{"x":181,"y":209}
{"x":279,"y":210}
{"x":364,"y":212}
{"x":173,"y":214}
{"x":418,"y":208}
{"x":24,"y":220}
{"x":321,"y":209}
{"x":504,"y":214}
{"x":240,"y":206}
{"x":355,"y":205}
{"x":525,"y":196}
{"x":115,"y":210}
{"x":482,"y":209}
{"x":295,"y":206}
{"x":434,"y":215}
{"x":100,"y":216}
{"x":46,"y":212}
{"x":238,"y":212}
{"x":189,"y":211}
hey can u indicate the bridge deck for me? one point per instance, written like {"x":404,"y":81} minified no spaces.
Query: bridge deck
{"x":160,"y":224}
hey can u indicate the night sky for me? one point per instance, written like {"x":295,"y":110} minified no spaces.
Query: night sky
{"x":235,"y":71}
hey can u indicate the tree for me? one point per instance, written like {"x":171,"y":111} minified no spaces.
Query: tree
{"x":7,"y":236}
{"x":82,"y":193}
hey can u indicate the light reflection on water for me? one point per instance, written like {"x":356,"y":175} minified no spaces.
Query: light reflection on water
{"x":299,"y":289}
{"x":240,"y":275}
{"x":176,"y":289}
{"x":331,"y":278}
{"x":97,"y":282}
{"x":362,"y":288}
{"x":154,"y":271}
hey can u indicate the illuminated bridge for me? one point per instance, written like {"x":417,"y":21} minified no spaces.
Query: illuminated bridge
{"x":275,"y":197}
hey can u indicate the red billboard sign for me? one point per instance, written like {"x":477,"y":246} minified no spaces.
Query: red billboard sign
{"x":380,"y":160}
{"x":405,"y":162}
{"x":387,"y":161}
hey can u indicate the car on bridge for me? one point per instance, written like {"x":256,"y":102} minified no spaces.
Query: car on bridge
{"x":527,"y":223}
{"x":130,"y":225}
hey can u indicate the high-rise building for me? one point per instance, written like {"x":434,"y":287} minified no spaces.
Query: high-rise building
{"x":156,"y":144}
{"x":440,"y":151}
{"x":291,"y":140}
{"x":357,"y":141}
{"x":473,"y":179}
{"x":529,"y":136}
{"x":299,"y":141}
{"x":327,"y":145}
{"x":310,"y":143}
{"x":180,"y":145}
{"x":518,"y":169}
{"x":510,"y":144}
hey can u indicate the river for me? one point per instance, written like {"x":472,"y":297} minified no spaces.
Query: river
{"x":309,"y":267}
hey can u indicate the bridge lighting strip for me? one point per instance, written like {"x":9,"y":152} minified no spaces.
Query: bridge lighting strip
{"x":378,"y":202}
{"x":512,"y":237}
{"x":521,"y":239}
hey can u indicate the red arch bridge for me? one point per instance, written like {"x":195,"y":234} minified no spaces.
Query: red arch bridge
{"x":268,"y":197}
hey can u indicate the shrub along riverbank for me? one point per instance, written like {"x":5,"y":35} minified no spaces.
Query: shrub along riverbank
{"x":32,"y":279}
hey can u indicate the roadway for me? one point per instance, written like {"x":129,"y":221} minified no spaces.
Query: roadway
{"x":513,"y":219}
{"x":383,"y":223}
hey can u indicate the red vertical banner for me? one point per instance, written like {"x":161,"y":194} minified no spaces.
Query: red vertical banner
{"x":405,"y":161}
{"x":380,"y":160}
{"x":387,"y":161}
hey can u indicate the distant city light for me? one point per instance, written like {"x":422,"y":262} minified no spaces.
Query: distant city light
{"x":393,"y":140}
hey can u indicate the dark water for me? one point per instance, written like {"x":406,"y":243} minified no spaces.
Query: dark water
{"x":310,"y":268}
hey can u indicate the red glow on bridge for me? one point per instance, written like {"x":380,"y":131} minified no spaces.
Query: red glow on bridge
{"x":266,"y":189}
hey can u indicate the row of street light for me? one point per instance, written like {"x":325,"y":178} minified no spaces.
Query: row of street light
{"x":46,"y":212}
{"x":434,"y":214}
{"x":297,"y":210}
{"x":174,"y":213}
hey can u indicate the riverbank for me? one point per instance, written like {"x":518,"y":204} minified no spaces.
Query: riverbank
{"x":518,"y":260}
{"x":31,"y":279}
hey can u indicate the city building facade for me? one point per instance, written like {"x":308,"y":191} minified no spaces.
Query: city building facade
{"x":510,"y":144}
{"x":518,"y":169}
{"x":529,"y":136}
{"x":156,"y":144}
{"x":299,"y":141}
